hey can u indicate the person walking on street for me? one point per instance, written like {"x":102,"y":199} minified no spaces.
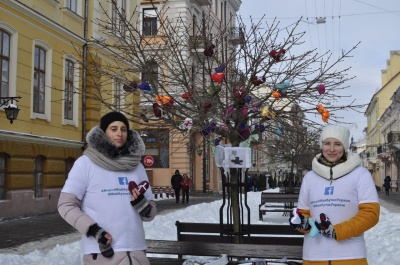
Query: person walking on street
{"x":107,"y":196}
{"x":176,"y":184}
{"x":185,"y":184}
{"x":387,"y":184}
{"x":338,"y":202}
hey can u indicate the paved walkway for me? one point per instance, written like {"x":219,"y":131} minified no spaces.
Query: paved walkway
{"x":21,"y":231}
{"x":16,"y":232}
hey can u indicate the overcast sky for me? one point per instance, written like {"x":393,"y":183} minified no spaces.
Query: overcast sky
{"x":373,"y":23}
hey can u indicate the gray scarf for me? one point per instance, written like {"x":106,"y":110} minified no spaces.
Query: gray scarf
{"x":105,"y":154}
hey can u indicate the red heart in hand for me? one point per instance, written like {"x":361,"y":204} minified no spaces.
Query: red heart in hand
{"x":143,"y":186}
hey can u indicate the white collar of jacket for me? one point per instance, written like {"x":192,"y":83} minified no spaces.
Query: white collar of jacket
{"x":353,"y":161}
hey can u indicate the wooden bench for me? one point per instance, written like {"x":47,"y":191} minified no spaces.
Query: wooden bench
{"x":203,"y":249}
{"x":277,"y":202}
{"x":296,"y":189}
{"x":158,"y":192}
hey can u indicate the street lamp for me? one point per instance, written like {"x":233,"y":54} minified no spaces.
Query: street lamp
{"x":11,"y":110}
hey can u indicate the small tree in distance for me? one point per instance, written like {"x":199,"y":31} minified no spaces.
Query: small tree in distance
{"x":225,"y":83}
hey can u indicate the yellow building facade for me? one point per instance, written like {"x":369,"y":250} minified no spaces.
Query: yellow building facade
{"x":42,"y":55}
{"x":380,"y":101}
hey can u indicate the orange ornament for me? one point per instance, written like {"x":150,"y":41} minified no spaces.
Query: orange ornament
{"x":275,"y":94}
{"x":165,"y":100}
{"x":320,"y":108}
{"x":325,"y":115}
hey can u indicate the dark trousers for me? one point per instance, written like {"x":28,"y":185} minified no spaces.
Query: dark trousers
{"x":185,"y":194}
{"x":177,"y":194}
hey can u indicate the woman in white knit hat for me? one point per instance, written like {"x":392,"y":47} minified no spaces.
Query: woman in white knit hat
{"x":340,"y":198}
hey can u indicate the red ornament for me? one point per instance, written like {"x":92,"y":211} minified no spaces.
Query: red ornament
{"x":277,"y":56}
{"x":209,"y":51}
{"x":238,"y":93}
{"x":321,"y":89}
{"x":187,"y":96}
{"x":218,"y":77}
{"x":257,"y":80}
{"x":207,"y":106}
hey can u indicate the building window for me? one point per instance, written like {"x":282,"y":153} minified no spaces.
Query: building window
{"x":157,"y":146}
{"x":38,"y":175}
{"x":114,"y":17}
{"x":118,"y":95}
{"x":149,"y":22}
{"x":123,"y":18}
{"x":3,"y":176}
{"x":150,"y":74}
{"x":71,"y":5}
{"x":39,"y":80}
{"x":69,"y":90}
{"x":4,"y":63}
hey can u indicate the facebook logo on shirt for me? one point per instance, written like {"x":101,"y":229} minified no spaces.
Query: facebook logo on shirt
{"x":329,"y":190}
{"x":123,"y":180}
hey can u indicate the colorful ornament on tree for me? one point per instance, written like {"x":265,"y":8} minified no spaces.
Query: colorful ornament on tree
{"x":324,"y":112}
{"x":146,"y":88}
{"x":218,"y":77}
{"x":245,"y":110}
{"x":214,"y":89}
{"x":267,"y":113}
{"x":229,"y":111}
{"x":186,"y":124}
{"x":245,"y":133}
{"x":157,"y":109}
{"x":220,"y":68}
{"x":321,"y":89}
{"x":247,"y":98}
{"x":207,"y":106}
{"x":217,"y":141}
{"x":275,"y":94}
{"x":209,"y":128}
{"x":187,"y":96}
{"x":279,"y":130}
{"x":238,"y":93}
{"x":259,"y":128}
{"x":209,"y":51}
{"x":166,"y":101}
{"x":144,"y":117}
{"x":282,"y":87}
{"x":277,"y":55}
{"x":257,"y":80}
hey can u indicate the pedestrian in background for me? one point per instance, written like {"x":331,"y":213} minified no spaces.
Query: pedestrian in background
{"x":176,"y":184}
{"x":185,"y":184}
{"x":97,"y":198}
{"x":387,"y":184}
{"x":340,"y":198}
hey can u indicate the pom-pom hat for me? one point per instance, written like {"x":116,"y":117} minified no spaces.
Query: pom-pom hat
{"x":111,"y":117}
{"x":338,"y":132}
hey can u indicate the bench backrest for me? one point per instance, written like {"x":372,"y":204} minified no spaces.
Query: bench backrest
{"x":216,"y":249}
{"x":279,"y":197}
{"x":253,"y":234}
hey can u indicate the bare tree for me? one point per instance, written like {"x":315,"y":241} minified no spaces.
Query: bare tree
{"x":224,"y":83}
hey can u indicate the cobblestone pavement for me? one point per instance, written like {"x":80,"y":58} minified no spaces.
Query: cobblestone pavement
{"x":15,"y":232}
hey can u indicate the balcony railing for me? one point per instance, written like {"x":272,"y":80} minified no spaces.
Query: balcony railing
{"x":203,"y":2}
{"x":236,"y":35}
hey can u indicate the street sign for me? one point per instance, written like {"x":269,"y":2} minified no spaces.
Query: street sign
{"x":148,"y":161}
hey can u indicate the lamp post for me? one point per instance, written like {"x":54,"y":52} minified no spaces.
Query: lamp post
{"x":200,"y":152}
{"x":11,"y":110}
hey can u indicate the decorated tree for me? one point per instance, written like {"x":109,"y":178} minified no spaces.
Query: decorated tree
{"x":232,"y":85}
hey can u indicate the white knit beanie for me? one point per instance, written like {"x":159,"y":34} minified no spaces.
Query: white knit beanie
{"x":338,"y":132}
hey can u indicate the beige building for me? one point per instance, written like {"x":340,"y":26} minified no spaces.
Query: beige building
{"x":376,"y":108}
{"x":44,"y":45}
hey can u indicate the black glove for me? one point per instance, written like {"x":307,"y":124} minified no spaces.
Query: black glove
{"x":142,"y":205}
{"x":325,"y":227}
{"x":303,"y":225}
{"x":98,"y":233}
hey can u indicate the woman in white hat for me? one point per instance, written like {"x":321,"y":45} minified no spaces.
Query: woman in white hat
{"x":340,"y":198}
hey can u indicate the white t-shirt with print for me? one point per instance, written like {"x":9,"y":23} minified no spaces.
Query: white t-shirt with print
{"x":106,"y":199}
{"x":339,"y":200}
